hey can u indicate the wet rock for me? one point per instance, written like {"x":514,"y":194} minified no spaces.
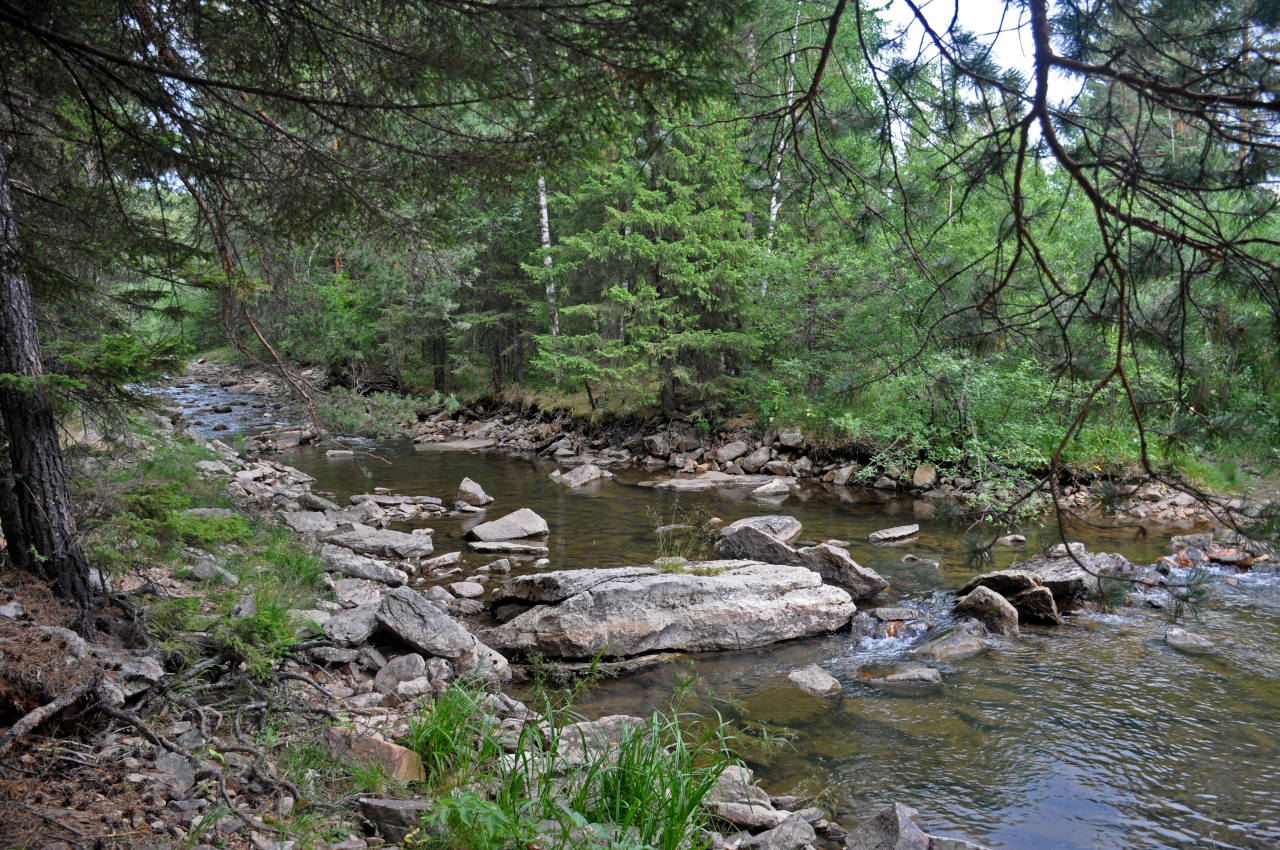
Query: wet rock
{"x":793,"y":833}
{"x":837,"y":566}
{"x":814,"y":680}
{"x":580,"y":475}
{"x":1075,"y":575}
{"x":1186,"y":641}
{"x":731,"y":451}
{"x":1012,"y":540}
{"x":510,"y":547}
{"x":775,"y":489}
{"x":899,"y":532}
{"x":741,"y":605}
{"x":1007,"y":583}
{"x":960,"y":643}
{"x":906,"y":675}
{"x":892,"y":613}
{"x":394,"y":819}
{"x":336,"y":454}
{"x":1036,"y":605}
{"x":513,"y":526}
{"x":991,"y":608}
{"x":894,"y":828}
{"x":423,"y":626}
{"x":353,"y":626}
{"x":380,"y":541}
{"x":342,"y":560}
{"x":781,"y":526}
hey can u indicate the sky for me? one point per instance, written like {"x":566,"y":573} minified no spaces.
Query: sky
{"x":1013,"y":46}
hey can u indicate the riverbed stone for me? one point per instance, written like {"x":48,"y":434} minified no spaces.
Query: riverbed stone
{"x":756,"y":460}
{"x":991,"y":608}
{"x":736,"y":784}
{"x":658,"y":445}
{"x":313,"y":523}
{"x":557,"y":586}
{"x":898,"y":532}
{"x":580,"y":476}
{"x":964,"y":641}
{"x":589,"y":739}
{"x":794,"y":833}
{"x":785,"y":528}
{"x":513,"y":526}
{"x":381,"y":541}
{"x":925,"y":476}
{"x":509,"y":547}
{"x":731,"y":451}
{"x":467,"y":589}
{"x":342,"y":560}
{"x":906,"y":675}
{"x":353,"y":626}
{"x":471,"y":493}
{"x":837,"y":566}
{"x":777,"y":489}
{"x":750,"y":541}
{"x":893,"y":828}
{"x":736,"y":605}
{"x":1007,"y":583}
{"x":1186,"y":641}
{"x":1036,"y":605}
{"x":814,"y":680}
{"x":423,"y":626}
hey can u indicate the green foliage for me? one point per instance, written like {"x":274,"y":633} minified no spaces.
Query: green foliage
{"x":644,"y":792}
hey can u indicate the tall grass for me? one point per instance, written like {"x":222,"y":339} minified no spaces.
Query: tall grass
{"x":644,"y":791}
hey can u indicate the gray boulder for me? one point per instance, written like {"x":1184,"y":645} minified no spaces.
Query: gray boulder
{"x":898,"y":532}
{"x":750,"y":540}
{"x":785,"y":528}
{"x":752,"y":543}
{"x":342,"y":560}
{"x":471,"y":493}
{"x":991,"y":608}
{"x":894,"y":828}
{"x":958,"y":644}
{"x":513,"y":526}
{"x":580,"y":475}
{"x":837,"y":566}
{"x":395,"y":819}
{"x":736,"y":605}
{"x":731,"y":451}
{"x":814,"y":680}
{"x":792,"y":438}
{"x":557,"y":586}
{"x":756,"y":460}
{"x":793,"y":833}
{"x":1186,"y":641}
{"x":313,"y":523}
{"x":353,"y":626}
{"x":424,"y":626}
{"x":382,"y":542}
{"x":1004,"y":582}
{"x":1036,"y":605}
{"x":907,"y":675}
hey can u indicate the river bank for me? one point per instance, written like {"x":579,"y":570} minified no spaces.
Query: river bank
{"x":683,"y":457}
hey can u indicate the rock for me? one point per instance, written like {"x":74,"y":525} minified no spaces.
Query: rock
{"x":942,"y":842}
{"x":925,"y":476}
{"x":898,"y":532}
{"x":357,"y":591}
{"x":213,"y":469}
{"x":1036,"y":605}
{"x":1068,"y":580}
{"x":1012,"y":540}
{"x":342,"y":560}
{"x":544,"y":588}
{"x":658,"y":445}
{"x":510,"y":547}
{"x":1186,"y":641}
{"x":394,"y":819}
{"x":176,"y":772}
{"x":1007,"y":583}
{"x":471,"y":493}
{"x":991,"y":608}
{"x":207,"y":569}
{"x":334,"y":454}
{"x":711,"y":480}
{"x":814,"y":680}
{"x":353,"y":626}
{"x":423,"y":626}
{"x":793,"y":833}
{"x":772,"y":490}
{"x":907,"y":675}
{"x":353,"y":747}
{"x":381,"y":541}
{"x":894,"y":828}
{"x":750,"y":542}
{"x":467,"y":589}
{"x":840,"y":477}
{"x":756,"y":460}
{"x":802,"y":467}
{"x":739,"y":605}
{"x":792,"y":438}
{"x":958,"y":644}
{"x":753,"y":816}
{"x":731,"y":451}
{"x":513,"y":526}
{"x":781,"y":526}
{"x":402,"y":668}
{"x":892,"y":613}
{"x":736,"y":784}
{"x":581,"y":475}
{"x":838,"y":567}
{"x":1190,"y":541}
{"x":439,"y":561}
{"x":884,"y":482}
{"x":589,"y":739}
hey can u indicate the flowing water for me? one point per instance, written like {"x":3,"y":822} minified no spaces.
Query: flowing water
{"x":1095,"y":734}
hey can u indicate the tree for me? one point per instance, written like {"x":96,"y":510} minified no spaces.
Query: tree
{"x":271,"y":119}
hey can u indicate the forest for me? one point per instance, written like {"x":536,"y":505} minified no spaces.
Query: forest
{"x":1033,"y":242}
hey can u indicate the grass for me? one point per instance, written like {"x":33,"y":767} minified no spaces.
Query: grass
{"x":644,"y":792}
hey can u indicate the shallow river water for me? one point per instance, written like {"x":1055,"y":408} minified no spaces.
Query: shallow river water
{"x":1095,"y":734}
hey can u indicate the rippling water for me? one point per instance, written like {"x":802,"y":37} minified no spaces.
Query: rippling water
{"x":1092,"y":735}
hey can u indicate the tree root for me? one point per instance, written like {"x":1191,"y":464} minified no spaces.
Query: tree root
{"x":33,"y":719}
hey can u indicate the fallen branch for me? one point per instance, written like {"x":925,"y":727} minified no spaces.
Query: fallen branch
{"x":32,"y":719}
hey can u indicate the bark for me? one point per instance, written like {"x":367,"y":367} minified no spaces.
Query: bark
{"x":44,"y":519}
{"x":545,"y":222}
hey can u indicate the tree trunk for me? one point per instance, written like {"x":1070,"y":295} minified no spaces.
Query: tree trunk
{"x":44,"y":518}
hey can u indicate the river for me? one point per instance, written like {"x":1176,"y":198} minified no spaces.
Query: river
{"x":1092,"y":735}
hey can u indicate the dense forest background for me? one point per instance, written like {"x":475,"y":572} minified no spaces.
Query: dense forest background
{"x":810,"y":216}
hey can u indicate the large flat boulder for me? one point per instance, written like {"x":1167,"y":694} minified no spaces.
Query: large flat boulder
{"x":733,"y":605}
{"x":382,"y":542}
{"x":752,"y":539}
{"x":513,"y":526}
{"x":559,"y":585}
